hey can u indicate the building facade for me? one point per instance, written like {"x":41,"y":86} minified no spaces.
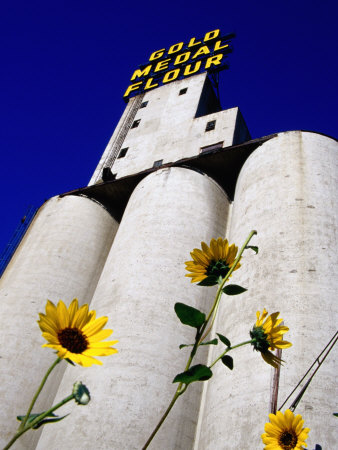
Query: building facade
{"x":178,"y":170}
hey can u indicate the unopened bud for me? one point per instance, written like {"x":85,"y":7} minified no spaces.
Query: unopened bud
{"x":81,"y":393}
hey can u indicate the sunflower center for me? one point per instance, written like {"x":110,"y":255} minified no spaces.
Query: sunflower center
{"x":288,"y":440}
{"x":218,"y":268}
{"x":73,"y":340}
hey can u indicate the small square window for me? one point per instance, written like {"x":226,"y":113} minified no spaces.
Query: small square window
{"x":123,"y":152}
{"x":158,"y":163}
{"x":136,"y":123}
{"x":210,"y":125}
{"x":143,"y":104}
{"x":183,"y":91}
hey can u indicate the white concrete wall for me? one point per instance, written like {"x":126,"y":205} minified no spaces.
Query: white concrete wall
{"x":168,"y":128}
{"x":287,"y":191}
{"x":109,"y":149}
{"x":60,"y":257}
{"x":170,"y":212}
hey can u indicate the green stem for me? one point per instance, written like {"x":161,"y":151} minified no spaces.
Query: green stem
{"x":231,"y":348}
{"x":214,"y":308}
{"x":37,"y":420}
{"x":199,"y":339}
{"x":23,"y":423}
{"x":158,"y":426}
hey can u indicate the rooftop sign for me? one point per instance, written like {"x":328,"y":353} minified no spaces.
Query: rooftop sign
{"x":180,"y":61}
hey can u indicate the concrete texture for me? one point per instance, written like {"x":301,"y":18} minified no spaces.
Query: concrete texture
{"x":60,"y":257}
{"x":170,"y":212}
{"x":170,"y":128}
{"x":287,"y":191}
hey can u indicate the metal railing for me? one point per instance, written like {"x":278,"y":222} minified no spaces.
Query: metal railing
{"x":16,"y":238}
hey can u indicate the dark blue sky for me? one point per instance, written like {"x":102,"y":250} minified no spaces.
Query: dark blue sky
{"x":66,"y":65}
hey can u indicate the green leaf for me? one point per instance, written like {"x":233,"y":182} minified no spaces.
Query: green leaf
{"x":185,"y":345}
{"x":253,"y":247}
{"x":195,"y":373}
{"x":211,"y":280}
{"x":43,"y":421}
{"x":31,"y":417}
{"x":233,"y":289}
{"x":213,"y":342}
{"x":224,"y":340}
{"x":228,"y":361}
{"x":189,"y":315}
{"x":70,"y":361}
{"x":335,"y":414}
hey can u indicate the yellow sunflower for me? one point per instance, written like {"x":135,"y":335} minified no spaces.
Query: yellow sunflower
{"x":75,"y":333}
{"x":268,"y":335}
{"x":285,"y":432}
{"x":211,"y":262}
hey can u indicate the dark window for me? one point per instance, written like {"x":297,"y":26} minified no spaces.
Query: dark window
{"x":183,"y":91}
{"x":107,"y":174}
{"x":210,"y":125}
{"x":158,"y":163}
{"x":209,"y":148}
{"x":143,"y":104}
{"x":123,"y":152}
{"x":136,"y":123}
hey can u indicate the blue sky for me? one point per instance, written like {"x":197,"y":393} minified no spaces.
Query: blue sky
{"x":66,"y":65}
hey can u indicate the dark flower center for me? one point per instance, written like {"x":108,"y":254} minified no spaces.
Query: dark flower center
{"x":260,"y":343}
{"x":73,"y":340}
{"x":288,"y":440}
{"x":218,"y":268}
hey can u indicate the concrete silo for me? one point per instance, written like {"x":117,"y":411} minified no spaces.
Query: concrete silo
{"x":179,"y":170}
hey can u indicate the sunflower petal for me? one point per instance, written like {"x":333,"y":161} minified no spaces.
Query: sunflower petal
{"x":93,"y":327}
{"x":99,"y":351}
{"x":99,"y":336}
{"x":80,"y":317}
{"x":62,"y":315}
{"x":73,"y":307}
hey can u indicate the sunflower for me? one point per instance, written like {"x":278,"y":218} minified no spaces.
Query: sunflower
{"x":268,"y":336}
{"x":285,"y":432}
{"x":211,"y":262}
{"x":75,"y":333}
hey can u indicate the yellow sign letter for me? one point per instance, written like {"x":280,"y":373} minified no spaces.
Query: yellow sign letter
{"x":132,"y":87}
{"x":141,"y":73}
{"x":157,"y":54}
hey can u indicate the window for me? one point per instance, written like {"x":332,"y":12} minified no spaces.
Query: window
{"x":158,"y":163}
{"x":209,"y":148}
{"x":136,"y":123}
{"x":143,"y":104}
{"x":210,"y":125}
{"x":183,"y":91}
{"x":123,"y":152}
{"x":107,"y":174}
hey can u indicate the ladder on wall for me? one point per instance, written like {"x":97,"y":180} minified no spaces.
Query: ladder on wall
{"x":16,"y":238}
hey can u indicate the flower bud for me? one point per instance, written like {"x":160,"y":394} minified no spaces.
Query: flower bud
{"x":81,"y":393}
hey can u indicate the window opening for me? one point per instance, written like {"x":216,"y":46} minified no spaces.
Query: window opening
{"x":143,"y":104}
{"x":210,"y":125}
{"x":211,"y":147}
{"x":183,"y":91}
{"x":107,"y":174}
{"x":158,"y":163}
{"x":123,"y":152}
{"x":136,"y":123}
